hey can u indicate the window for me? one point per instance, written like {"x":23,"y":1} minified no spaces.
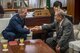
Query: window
{"x":64,"y":2}
{"x":37,"y":3}
{"x":30,"y":3}
{"x":34,"y":3}
{"x":52,"y":1}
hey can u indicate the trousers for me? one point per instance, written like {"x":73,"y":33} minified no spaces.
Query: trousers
{"x":10,"y":36}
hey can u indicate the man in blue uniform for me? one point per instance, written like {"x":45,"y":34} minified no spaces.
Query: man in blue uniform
{"x":15,"y":28}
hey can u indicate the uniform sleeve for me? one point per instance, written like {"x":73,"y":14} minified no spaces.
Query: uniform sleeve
{"x":19,"y":28}
{"x":49,"y":26}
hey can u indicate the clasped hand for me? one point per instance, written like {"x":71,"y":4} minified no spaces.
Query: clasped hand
{"x":36,"y":28}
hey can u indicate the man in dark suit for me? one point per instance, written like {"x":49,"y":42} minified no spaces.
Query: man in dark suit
{"x":57,"y":5}
{"x":64,"y":31}
{"x":15,"y":28}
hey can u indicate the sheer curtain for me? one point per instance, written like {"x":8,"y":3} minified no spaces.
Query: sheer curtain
{"x":37,"y":4}
{"x":43,"y":3}
{"x":34,"y":3}
{"x":64,"y":2}
{"x":4,"y":3}
{"x":52,"y":1}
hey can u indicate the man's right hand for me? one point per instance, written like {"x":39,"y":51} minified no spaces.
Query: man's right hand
{"x":36,"y":28}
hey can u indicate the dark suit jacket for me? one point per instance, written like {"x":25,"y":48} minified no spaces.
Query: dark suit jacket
{"x":16,"y":25}
{"x":65,"y":33}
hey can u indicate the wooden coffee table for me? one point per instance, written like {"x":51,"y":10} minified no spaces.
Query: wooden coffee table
{"x":30,"y":46}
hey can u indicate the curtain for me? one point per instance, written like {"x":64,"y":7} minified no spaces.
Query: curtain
{"x":64,"y":2}
{"x":34,"y":3}
{"x":48,"y":3}
{"x":52,"y":1}
{"x":37,"y":3}
{"x":42,"y":3}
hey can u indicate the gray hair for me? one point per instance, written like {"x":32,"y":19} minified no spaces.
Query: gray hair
{"x":61,"y":13}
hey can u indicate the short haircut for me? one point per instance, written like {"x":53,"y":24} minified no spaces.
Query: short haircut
{"x":21,"y":10}
{"x":57,"y":3}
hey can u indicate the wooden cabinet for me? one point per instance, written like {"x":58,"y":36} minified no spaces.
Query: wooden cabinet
{"x":73,"y":9}
{"x":33,"y":21}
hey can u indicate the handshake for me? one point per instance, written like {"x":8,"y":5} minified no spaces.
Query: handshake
{"x":36,"y":28}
